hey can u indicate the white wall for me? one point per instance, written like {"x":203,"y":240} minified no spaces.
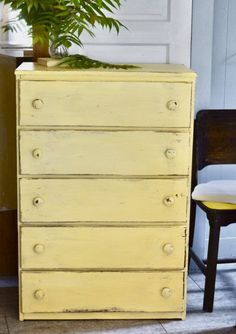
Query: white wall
{"x":223,"y":94}
{"x":213,"y":57}
{"x":201,"y":62}
{"x":3,"y":17}
{"x":15,"y":38}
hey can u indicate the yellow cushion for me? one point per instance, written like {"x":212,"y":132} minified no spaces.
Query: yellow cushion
{"x":220,"y":205}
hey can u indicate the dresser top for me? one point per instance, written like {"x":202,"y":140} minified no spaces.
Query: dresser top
{"x":143,"y":72}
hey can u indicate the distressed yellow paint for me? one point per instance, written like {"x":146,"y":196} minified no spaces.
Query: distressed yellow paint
{"x":102,"y":200}
{"x":104,"y":160}
{"x":143,"y":73}
{"x":104,"y":152}
{"x":102,"y":291}
{"x":103,"y":247}
{"x":109,"y":104}
{"x":101,"y":315}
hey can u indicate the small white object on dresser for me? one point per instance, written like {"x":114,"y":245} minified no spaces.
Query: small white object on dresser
{"x":104,"y":172}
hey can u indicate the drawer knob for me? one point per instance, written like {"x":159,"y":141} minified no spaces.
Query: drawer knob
{"x":37,"y":104}
{"x":170,"y":153}
{"x":166,"y":292}
{"x":37,"y":201}
{"x":169,"y":201}
{"x":39,"y":248}
{"x":37,"y":153}
{"x":39,"y":294}
{"x":172,"y":105}
{"x":168,"y":249}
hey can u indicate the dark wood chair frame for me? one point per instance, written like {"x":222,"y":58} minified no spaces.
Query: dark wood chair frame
{"x":214,"y":143}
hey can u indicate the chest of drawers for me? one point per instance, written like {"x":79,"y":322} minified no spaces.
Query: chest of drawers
{"x":104,"y":160}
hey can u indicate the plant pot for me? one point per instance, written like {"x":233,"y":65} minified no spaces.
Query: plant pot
{"x":40,"y":50}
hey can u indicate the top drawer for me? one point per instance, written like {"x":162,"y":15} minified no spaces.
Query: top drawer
{"x":131,"y":104}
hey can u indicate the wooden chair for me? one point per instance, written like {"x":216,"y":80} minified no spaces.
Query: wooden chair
{"x":214,"y":143}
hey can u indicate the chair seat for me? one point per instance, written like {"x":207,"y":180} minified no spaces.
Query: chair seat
{"x":217,"y":194}
{"x":219,"y":205}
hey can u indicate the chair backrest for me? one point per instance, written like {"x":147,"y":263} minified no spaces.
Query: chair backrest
{"x":215,"y":138}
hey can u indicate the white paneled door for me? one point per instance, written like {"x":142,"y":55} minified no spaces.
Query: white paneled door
{"x":159,"y":31}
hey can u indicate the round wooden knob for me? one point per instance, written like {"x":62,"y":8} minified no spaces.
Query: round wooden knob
{"x":37,"y":201}
{"x":168,"y":249}
{"x":172,"y":105}
{"x":39,"y":294}
{"x":170,"y":153}
{"x":37,"y":104}
{"x":39,"y":248}
{"x":37,"y":153}
{"x":166,"y":292}
{"x":169,"y":201}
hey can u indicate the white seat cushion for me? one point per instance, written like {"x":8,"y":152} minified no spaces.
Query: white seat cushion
{"x":216,"y":191}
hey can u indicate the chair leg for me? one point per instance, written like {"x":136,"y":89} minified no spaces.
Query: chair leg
{"x":212,"y":256}
{"x":191,"y":228}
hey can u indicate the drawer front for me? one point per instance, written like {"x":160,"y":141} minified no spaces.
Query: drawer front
{"x":102,"y":292}
{"x":105,"y":103}
{"x":103,"y":247}
{"x":109,"y":152}
{"x":142,"y":200}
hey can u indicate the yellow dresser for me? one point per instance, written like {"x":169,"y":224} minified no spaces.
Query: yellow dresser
{"x":104,"y":161}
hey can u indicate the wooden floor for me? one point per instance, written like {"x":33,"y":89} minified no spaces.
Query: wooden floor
{"x":221,"y":321}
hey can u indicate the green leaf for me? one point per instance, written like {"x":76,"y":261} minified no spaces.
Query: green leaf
{"x":83,"y":62}
{"x":63,"y":20}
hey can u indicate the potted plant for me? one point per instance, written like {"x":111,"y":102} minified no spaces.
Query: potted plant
{"x":60,"y":23}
